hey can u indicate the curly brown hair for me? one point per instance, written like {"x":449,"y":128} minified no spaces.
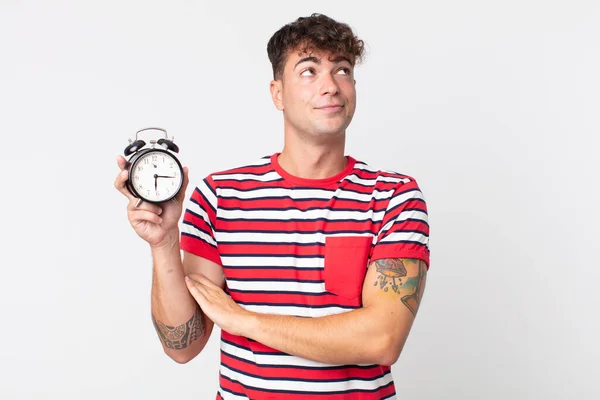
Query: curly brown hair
{"x":307,"y":34}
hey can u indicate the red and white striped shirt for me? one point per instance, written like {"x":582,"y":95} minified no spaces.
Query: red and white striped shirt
{"x":301,"y":247}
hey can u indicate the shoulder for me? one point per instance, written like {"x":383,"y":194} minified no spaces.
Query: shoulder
{"x":258,"y":165}
{"x":384,"y":178}
{"x":399,"y":192}
{"x":255,"y":167}
{"x":208,"y":186}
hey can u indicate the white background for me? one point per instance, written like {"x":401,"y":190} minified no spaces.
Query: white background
{"x":492,"y":106}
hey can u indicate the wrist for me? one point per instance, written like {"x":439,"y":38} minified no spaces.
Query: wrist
{"x":168,"y":244}
{"x":249,"y":324}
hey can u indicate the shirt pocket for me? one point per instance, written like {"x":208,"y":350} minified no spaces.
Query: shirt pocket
{"x":345,"y":265}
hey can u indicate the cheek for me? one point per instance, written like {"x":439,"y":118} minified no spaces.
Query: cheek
{"x":297,"y":99}
{"x":350,"y":92}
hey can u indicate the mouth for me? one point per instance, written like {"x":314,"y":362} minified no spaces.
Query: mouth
{"x":331,"y":108}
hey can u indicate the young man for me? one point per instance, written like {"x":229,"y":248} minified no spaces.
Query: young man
{"x":312,"y":263}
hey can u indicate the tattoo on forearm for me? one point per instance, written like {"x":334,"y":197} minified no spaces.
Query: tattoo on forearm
{"x":409,"y":283}
{"x":180,"y":337}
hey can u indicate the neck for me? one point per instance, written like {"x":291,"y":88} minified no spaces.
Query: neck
{"x":310,"y":160}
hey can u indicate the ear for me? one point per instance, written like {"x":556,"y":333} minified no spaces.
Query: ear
{"x":276,"y":93}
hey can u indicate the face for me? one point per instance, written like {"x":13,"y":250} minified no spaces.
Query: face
{"x":316,"y":94}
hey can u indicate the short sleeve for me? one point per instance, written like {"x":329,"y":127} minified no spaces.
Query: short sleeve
{"x":404,"y":231}
{"x":199,"y":219}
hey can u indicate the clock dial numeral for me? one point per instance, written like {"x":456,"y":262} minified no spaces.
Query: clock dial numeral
{"x":146,"y":161}
{"x":154,"y":158}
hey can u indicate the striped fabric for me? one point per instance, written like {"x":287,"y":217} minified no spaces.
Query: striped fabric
{"x":300,"y":247}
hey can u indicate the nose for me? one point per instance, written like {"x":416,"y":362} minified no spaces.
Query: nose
{"x":329,"y":85}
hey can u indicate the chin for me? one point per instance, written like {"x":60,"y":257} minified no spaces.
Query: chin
{"x":330,"y":129}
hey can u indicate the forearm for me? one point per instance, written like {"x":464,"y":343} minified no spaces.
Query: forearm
{"x":177,"y":318}
{"x":354,"y":337}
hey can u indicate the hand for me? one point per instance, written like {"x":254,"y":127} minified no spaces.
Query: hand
{"x":152,"y":222}
{"x":217,"y":305}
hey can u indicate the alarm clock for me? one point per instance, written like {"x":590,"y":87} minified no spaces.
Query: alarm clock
{"x":155,"y":173}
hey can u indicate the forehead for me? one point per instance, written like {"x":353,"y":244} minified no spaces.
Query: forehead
{"x":315,"y":55}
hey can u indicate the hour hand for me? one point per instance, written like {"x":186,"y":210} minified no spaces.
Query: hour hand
{"x":163,"y":176}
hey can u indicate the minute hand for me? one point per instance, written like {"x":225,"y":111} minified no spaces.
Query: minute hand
{"x":164,"y":176}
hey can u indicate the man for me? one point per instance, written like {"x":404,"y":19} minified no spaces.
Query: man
{"x":312,"y":263}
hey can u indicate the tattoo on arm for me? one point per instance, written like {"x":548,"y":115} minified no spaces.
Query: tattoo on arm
{"x":408,"y":284}
{"x":180,"y":337}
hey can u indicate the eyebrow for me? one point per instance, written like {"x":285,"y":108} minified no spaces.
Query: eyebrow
{"x":318,"y":60}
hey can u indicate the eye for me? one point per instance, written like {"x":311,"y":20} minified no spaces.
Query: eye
{"x":303,"y":73}
{"x":346,"y":70}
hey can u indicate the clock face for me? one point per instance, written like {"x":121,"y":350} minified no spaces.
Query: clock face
{"x":156,"y":176}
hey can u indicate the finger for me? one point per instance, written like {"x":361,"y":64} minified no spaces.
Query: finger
{"x":121,"y":162}
{"x":195,"y":277}
{"x":204,"y":281}
{"x":141,"y":215}
{"x":186,"y":179}
{"x":120,"y":181}
{"x":195,"y":288}
{"x":196,"y":294}
{"x":201,"y":282}
{"x":153,"y":208}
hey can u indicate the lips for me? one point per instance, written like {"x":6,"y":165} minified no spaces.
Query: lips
{"x":331,"y":107}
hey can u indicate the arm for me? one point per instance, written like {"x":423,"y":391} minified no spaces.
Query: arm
{"x":373,"y":334}
{"x":181,"y":325}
